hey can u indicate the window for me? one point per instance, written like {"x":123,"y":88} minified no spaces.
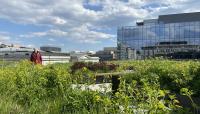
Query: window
{"x":192,"y":31}
{"x":166,"y":36}
{"x":186,"y":32}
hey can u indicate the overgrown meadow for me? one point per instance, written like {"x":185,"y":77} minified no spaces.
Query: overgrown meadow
{"x":152,"y":88}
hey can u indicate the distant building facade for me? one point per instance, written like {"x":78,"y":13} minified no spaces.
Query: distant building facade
{"x":17,"y":53}
{"x":14,"y":53}
{"x":174,"y":50}
{"x":172,"y":36}
{"x":84,"y":58}
{"x":50,"y":49}
{"x":77,"y":56}
{"x":108,"y":54}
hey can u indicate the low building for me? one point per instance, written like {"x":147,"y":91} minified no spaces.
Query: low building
{"x":84,"y":58}
{"x":17,"y":53}
{"x":50,"y":49}
{"x":108,"y":54}
{"x":77,"y":56}
{"x":3,"y":45}
{"x":52,"y":57}
{"x":14,"y":53}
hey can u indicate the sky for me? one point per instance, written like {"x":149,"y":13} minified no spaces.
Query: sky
{"x":78,"y":24}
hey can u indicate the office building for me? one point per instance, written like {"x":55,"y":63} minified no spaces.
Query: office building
{"x":171,"y":36}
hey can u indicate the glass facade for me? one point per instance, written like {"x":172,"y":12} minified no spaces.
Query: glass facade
{"x":154,"y":38}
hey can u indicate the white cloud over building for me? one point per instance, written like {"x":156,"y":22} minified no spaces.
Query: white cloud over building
{"x":86,"y":20}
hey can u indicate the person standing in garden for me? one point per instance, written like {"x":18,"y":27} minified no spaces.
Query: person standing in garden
{"x":36,"y":57}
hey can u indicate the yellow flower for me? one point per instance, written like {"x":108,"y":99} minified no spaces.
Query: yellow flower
{"x":97,"y":98}
{"x":161,"y":93}
{"x":84,"y":69}
{"x":161,"y":105}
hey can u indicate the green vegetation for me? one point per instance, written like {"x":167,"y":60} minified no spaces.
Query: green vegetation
{"x":151,"y":88}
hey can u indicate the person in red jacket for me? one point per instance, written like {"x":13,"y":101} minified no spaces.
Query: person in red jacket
{"x":36,"y":57}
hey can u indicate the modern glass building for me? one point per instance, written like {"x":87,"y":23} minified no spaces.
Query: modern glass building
{"x":172,"y":36}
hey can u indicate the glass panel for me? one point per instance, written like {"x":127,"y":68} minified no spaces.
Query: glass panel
{"x":166,"y":32}
{"x":187,"y":31}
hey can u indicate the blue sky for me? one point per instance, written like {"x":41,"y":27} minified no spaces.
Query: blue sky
{"x":78,"y":24}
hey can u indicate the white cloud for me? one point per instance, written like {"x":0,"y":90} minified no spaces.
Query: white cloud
{"x":4,"y":37}
{"x":31,"y":45}
{"x":59,"y":21}
{"x":52,"y":39}
{"x":70,"y":19}
{"x":80,"y":34}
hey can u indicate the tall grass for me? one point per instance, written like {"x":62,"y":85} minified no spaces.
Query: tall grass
{"x":151,"y":88}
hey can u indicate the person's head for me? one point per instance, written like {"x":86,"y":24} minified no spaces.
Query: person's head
{"x":35,"y":50}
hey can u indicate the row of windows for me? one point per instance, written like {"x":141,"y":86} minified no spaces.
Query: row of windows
{"x":150,"y":35}
{"x":27,"y":54}
{"x":186,"y":32}
{"x":171,"y":50}
{"x":157,"y":25}
{"x":137,"y":44}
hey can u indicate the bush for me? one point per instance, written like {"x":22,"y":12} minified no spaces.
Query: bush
{"x":101,"y":66}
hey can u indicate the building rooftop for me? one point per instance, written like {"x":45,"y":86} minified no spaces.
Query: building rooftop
{"x":15,"y":49}
{"x":181,"y":17}
{"x":169,"y":18}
